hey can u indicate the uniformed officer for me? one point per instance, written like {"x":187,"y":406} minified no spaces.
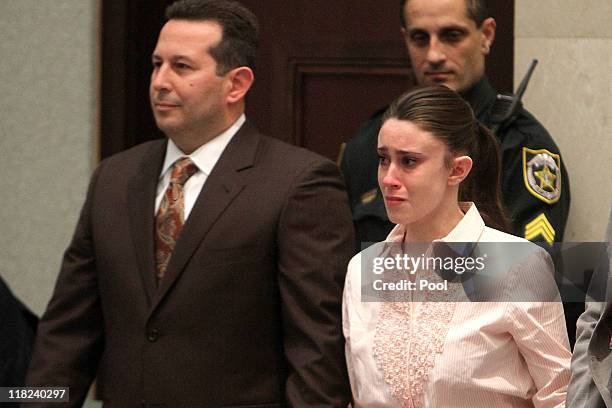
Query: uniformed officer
{"x":447,"y":41}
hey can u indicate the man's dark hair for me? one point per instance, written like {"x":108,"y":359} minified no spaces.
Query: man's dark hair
{"x":240,"y":40}
{"x":477,"y":11}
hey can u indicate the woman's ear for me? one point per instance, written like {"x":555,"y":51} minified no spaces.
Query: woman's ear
{"x":460,"y":168}
{"x":240,"y":81}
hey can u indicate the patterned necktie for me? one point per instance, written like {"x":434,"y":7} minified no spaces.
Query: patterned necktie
{"x":171,"y":214}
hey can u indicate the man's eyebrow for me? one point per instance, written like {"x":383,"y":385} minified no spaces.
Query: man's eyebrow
{"x":173,"y":58}
{"x":454,"y":28}
{"x":416,"y":30}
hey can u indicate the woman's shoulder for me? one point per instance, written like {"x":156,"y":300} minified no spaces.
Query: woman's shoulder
{"x":353,"y":271}
{"x":492,"y":235}
{"x":368,"y":258}
{"x":513,"y":249}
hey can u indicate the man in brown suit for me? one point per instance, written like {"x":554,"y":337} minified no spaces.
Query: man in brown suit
{"x":246,"y":309}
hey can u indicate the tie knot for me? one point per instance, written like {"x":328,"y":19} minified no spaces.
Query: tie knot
{"x":182,"y":169}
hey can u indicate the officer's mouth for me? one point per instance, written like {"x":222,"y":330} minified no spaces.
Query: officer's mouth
{"x":438,"y":76}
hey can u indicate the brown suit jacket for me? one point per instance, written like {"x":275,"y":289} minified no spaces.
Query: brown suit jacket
{"x":248,"y":313}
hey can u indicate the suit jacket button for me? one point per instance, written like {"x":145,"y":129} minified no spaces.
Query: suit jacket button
{"x":153,"y":335}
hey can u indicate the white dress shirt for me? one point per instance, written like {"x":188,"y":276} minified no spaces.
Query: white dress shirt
{"x":205,"y":158}
{"x":455,"y":354}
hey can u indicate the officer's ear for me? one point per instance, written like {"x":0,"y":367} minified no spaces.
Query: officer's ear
{"x":487,"y":30}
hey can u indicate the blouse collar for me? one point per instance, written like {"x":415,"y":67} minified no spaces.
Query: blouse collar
{"x":469,"y":228}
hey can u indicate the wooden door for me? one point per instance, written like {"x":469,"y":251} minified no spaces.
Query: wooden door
{"x":324,"y":67}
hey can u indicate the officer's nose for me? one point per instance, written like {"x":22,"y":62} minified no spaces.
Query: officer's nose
{"x":435,"y":52}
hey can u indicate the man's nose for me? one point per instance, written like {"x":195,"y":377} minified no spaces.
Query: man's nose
{"x":435,"y":52}
{"x":160,"y":78}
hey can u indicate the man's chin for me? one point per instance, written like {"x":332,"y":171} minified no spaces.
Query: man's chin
{"x":445,"y":82}
{"x":167,"y":126}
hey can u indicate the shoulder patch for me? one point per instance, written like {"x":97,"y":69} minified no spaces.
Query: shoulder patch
{"x":542,"y":174}
{"x":540,"y":226}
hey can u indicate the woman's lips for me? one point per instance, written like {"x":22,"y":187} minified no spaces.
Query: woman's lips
{"x":393,"y":200}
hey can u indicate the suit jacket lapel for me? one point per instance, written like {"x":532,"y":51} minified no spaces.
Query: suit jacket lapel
{"x":222,"y":185}
{"x":141,"y":206}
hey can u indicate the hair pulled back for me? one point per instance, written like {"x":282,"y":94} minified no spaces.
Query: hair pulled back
{"x":443,"y":113}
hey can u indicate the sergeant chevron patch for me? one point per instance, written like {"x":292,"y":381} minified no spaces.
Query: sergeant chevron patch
{"x":542,"y":174}
{"x":540,"y":226}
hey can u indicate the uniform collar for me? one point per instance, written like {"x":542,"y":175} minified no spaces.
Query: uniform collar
{"x":481,"y":97}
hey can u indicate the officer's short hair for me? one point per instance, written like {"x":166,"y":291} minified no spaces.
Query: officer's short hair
{"x":477,"y":11}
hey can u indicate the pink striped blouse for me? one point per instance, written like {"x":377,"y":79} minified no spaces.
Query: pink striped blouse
{"x":455,"y":354}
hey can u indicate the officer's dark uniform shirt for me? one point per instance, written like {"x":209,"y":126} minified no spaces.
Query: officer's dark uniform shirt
{"x":535,"y":186}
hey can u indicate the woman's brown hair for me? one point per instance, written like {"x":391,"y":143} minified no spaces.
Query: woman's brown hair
{"x":443,"y":113}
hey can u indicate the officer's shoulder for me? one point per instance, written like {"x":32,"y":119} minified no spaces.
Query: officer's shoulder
{"x":368,"y":130}
{"x":527,"y":131}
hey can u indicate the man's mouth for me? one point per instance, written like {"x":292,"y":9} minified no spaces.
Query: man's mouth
{"x":163,"y":105}
{"x":438,"y":75}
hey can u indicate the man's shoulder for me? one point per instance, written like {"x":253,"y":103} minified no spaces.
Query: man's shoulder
{"x":524,"y":129}
{"x":291,"y":159}
{"x":528,"y":132}
{"x":123,"y":165}
{"x":144,"y":149}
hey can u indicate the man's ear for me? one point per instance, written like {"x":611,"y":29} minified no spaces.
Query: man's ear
{"x":239,"y":81}
{"x":460,"y":168}
{"x":404,"y":36}
{"x":488,"y":34}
